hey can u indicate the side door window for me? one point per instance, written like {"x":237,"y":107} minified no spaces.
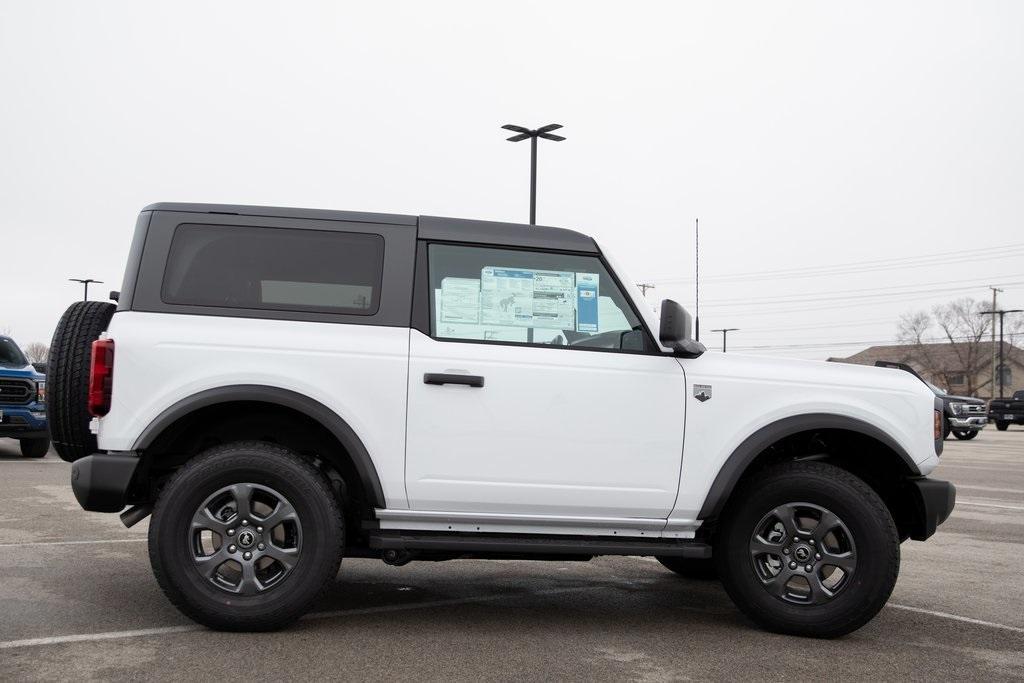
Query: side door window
{"x":510,"y":296}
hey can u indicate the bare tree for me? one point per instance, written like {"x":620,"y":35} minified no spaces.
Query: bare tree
{"x":957,"y":347}
{"x":37,"y":352}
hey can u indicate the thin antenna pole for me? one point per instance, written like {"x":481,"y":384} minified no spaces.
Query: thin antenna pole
{"x":696,"y":253}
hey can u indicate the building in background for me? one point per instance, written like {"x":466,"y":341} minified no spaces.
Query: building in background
{"x":962,"y":368}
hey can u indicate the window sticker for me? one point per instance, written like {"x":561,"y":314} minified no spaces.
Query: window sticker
{"x":554,"y":299}
{"x":506,"y":296}
{"x":587,"y":308}
{"x":460,"y":300}
{"x":527,"y":298}
{"x":464,"y":330}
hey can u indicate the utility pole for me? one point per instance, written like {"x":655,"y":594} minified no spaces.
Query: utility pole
{"x":532,"y":135}
{"x":644,"y":286}
{"x":724,"y":332}
{"x":85,"y":282}
{"x":995,"y":291}
{"x":1002,"y":314}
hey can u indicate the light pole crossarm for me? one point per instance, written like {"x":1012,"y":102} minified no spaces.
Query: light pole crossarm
{"x":524,"y":133}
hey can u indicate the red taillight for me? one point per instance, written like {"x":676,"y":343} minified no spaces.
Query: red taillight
{"x":101,"y":377}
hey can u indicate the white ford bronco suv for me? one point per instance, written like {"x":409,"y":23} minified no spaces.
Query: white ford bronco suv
{"x":282,"y":388}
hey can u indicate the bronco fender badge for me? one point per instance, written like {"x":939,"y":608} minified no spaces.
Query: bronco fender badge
{"x":702,"y":392}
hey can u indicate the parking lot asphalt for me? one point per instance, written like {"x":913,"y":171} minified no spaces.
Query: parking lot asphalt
{"x":78,"y":600}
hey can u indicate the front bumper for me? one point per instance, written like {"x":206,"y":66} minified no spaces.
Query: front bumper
{"x":971,"y":423}
{"x":101,"y":481}
{"x":934,"y":500}
{"x":23,"y":421}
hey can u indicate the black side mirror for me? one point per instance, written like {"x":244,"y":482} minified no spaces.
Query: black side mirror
{"x":675,"y":330}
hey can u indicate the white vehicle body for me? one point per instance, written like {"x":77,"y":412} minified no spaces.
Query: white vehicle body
{"x":556,"y":442}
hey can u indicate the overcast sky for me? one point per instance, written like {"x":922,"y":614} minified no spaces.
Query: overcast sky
{"x":870,"y":154}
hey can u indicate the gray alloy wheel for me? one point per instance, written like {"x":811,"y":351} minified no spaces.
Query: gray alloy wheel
{"x":803,"y":553}
{"x":245,"y":538}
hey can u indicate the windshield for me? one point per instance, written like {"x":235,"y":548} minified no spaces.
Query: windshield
{"x":937,"y":390}
{"x":10,"y":354}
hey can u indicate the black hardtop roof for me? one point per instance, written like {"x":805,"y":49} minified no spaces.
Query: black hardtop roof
{"x":428,"y":227}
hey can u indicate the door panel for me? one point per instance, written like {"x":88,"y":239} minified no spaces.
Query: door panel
{"x":550,"y":431}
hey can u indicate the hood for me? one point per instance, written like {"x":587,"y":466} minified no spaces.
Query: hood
{"x":963,"y":399}
{"x":26,"y":372}
{"x":770,"y":368}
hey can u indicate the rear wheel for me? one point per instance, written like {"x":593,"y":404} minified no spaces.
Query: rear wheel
{"x":808,"y":549}
{"x":690,"y":568}
{"x":965,"y":434}
{"x":35,"y":448}
{"x":67,"y":380}
{"x":246,"y":537}
{"x":1001,"y":425}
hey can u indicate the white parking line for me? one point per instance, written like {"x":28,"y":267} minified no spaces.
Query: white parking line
{"x":955,"y":617}
{"x":33,"y":461}
{"x":44,"y":543}
{"x":960,"y":487}
{"x":989,"y":505}
{"x":143,"y":632}
{"x":166,"y":630}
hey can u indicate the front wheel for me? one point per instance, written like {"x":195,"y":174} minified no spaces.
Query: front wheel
{"x":808,"y":549}
{"x":35,"y":448}
{"x":1001,"y":425}
{"x":246,"y":537}
{"x":965,"y":434}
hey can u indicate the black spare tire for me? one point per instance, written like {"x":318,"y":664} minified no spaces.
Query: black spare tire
{"x":67,"y":382}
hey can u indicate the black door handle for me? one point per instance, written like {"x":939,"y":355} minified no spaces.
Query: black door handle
{"x":445,"y":378}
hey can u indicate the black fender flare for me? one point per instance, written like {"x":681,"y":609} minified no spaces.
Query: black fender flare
{"x":282,"y":397}
{"x":741,"y":458}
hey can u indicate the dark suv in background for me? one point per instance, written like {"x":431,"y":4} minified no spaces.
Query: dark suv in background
{"x":22,"y":390}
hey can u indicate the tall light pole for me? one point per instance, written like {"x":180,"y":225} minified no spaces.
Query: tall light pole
{"x":725,"y":331}
{"x":85,"y":282}
{"x":1001,"y":315}
{"x":532,"y":135}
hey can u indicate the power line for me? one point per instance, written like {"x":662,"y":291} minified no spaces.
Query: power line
{"x":777,"y":301}
{"x":964,"y":283}
{"x":963,"y":256}
{"x":822,"y":345}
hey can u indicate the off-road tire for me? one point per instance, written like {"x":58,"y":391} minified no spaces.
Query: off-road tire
{"x":67,"y":380}
{"x":860,"y":509}
{"x":690,"y":568}
{"x":34,"y":448}
{"x":311,"y":495}
{"x":965,"y":434}
{"x":1002,"y":426}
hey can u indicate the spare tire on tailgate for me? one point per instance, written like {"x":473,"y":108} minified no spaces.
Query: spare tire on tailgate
{"x":67,"y":382}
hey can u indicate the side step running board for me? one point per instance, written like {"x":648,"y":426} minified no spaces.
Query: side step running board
{"x":541,"y":545}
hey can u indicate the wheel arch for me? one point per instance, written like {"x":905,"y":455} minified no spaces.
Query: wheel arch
{"x":329,"y":420}
{"x":757,"y":450}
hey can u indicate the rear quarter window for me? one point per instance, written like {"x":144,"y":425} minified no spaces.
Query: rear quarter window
{"x":278,"y":269}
